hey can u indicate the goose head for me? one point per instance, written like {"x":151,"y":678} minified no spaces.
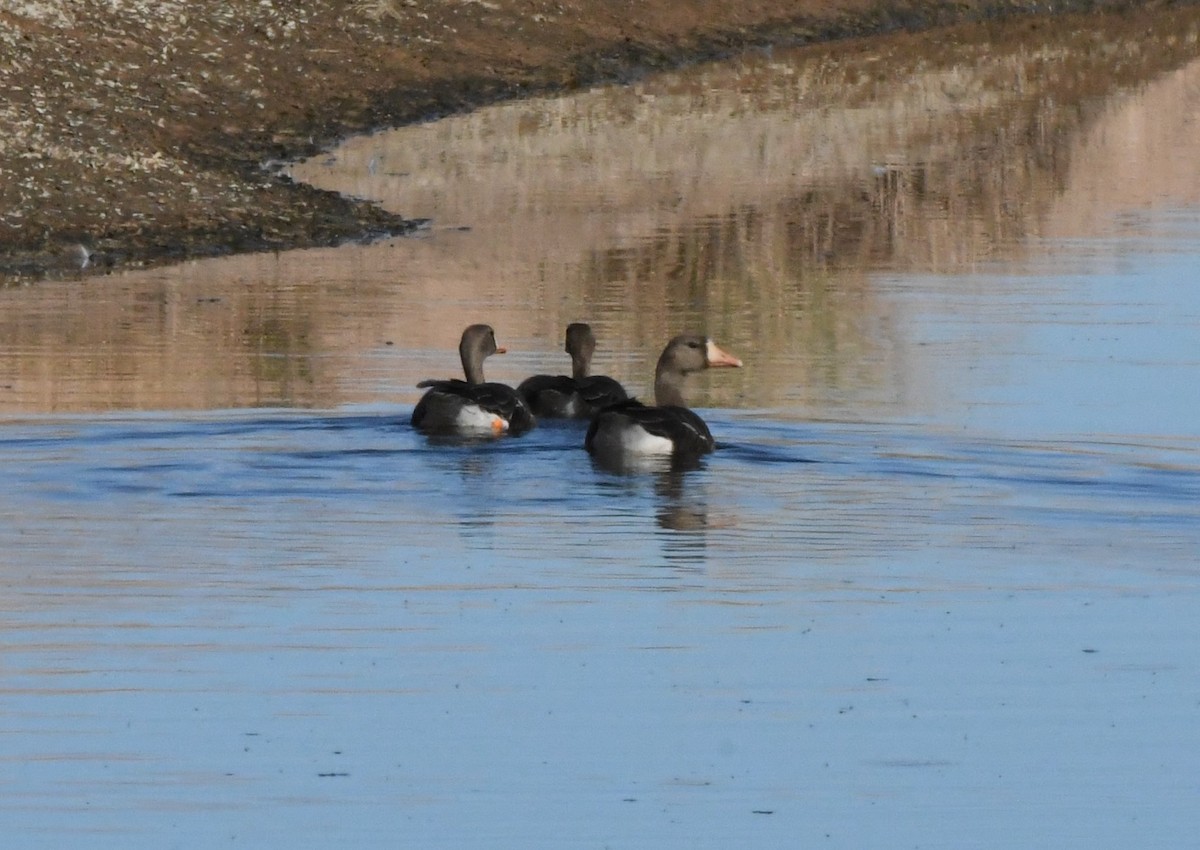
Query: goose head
{"x":580,"y":344}
{"x":683,"y":355}
{"x":478,"y":342}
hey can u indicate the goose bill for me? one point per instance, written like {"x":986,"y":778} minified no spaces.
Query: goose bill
{"x":718,"y":357}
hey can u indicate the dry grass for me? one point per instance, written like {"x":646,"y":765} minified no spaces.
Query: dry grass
{"x":138,"y":127}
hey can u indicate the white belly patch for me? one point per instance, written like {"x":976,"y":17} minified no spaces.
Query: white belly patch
{"x":637,"y":440}
{"x":474,"y":418}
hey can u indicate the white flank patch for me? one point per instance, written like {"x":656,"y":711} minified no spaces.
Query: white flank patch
{"x":474,"y":418}
{"x":638,"y":440}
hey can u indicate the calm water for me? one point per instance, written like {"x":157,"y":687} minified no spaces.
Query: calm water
{"x":937,"y":587}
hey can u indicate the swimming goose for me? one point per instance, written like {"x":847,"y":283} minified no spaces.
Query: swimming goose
{"x":578,"y":396}
{"x":632,"y":429}
{"x":472,"y":406}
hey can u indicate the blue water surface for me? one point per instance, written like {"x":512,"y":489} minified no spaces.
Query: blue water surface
{"x":298,"y":627}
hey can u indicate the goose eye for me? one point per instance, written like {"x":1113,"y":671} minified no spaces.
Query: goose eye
{"x":693,"y":344}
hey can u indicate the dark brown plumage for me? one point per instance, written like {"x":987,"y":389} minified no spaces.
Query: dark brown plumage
{"x":472,"y":406}
{"x":669,"y":428}
{"x":579,"y":395}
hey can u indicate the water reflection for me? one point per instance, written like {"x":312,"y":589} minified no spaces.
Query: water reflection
{"x":678,"y":499}
{"x":757,"y":200}
{"x":682,"y":504}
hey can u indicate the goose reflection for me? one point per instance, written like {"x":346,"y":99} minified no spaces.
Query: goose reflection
{"x":681,"y":511}
{"x":680,"y":503}
{"x":467,"y":480}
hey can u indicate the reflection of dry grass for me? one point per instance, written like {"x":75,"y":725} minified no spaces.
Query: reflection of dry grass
{"x":141,"y":142}
{"x":933,"y":157}
{"x":377,"y":10}
{"x":755,"y":200}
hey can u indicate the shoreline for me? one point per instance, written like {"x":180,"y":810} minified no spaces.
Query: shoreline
{"x":154,"y":146}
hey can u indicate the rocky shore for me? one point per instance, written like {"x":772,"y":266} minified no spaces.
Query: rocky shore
{"x":139,"y":132}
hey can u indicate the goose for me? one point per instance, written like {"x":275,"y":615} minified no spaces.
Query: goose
{"x":472,"y":406}
{"x":632,"y":429}
{"x":579,"y":396}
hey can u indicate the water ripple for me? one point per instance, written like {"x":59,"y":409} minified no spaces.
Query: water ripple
{"x":776,"y":494}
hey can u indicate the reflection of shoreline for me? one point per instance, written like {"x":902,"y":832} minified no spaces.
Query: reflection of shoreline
{"x":1132,"y":159}
{"x":914,"y":152}
{"x":805,"y":173}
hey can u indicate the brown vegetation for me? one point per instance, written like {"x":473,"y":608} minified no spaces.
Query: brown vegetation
{"x":139,"y":130}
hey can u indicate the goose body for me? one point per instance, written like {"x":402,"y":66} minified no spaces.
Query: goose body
{"x":473,"y":406}
{"x":578,"y":395}
{"x":633,"y":428}
{"x":668,"y":429}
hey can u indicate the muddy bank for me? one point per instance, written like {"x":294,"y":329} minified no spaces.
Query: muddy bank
{"x":148,"y":144}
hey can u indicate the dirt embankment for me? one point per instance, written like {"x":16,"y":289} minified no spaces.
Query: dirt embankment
{"x":137,"y":131}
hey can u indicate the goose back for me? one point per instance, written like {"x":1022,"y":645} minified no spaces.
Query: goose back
{"x":579,"y":395}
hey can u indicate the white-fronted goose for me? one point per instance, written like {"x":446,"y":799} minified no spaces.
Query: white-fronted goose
{"x":632,"y":429}
{"x":472,"y":406}
{"x":578,"y":396}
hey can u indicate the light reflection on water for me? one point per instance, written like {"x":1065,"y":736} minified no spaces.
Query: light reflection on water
{"x":936,"y":587}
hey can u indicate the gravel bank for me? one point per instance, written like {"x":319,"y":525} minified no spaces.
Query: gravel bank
{"x":141,"y":132}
